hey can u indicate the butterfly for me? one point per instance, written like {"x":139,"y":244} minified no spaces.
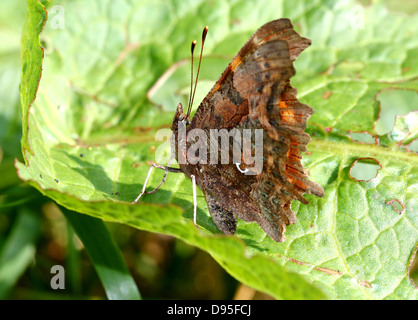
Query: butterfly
{"x":253,"y":93}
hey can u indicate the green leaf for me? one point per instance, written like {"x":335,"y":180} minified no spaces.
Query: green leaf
{"x":18,"y":250}
{"x":105,"y":255}
{"x":32,"y":56}
{"x":92,"y":128}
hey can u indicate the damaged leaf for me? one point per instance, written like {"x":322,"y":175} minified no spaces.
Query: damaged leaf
{"x":93,"y":100}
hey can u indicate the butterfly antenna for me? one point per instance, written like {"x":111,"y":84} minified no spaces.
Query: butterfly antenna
{"x":191,"y":81}
{"x":204,"y":33}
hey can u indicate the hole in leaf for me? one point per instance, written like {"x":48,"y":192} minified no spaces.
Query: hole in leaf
{"x":413,"y":268}
{"x":43,"y":44}
{"x":413,"y":146}
{"x":394,"y":103}
{"x":362,"y":137}
{"x":397,"y":205}
{"x":46,"y":44}
{"x":364,"y":169}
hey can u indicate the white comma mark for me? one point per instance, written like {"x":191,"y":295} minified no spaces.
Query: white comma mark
{"x":242,"y":171}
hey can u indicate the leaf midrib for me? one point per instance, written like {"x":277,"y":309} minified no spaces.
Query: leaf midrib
{"x":361,"y":150}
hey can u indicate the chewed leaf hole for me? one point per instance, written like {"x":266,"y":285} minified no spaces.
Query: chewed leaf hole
{"x":365,"y":169}
{"x":46,"y":44}
{"x":394,"y":103}
{"x":413,"y":268}
{"x":413,"y":146}
{"x":397,"y":205}
{"x":364,"y":137}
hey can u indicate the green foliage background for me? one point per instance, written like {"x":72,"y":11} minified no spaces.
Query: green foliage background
{"x":89,"y":135}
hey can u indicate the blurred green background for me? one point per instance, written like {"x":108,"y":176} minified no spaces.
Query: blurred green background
{"x":34,"y":235}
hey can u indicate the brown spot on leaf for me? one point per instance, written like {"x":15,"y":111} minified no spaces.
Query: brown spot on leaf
{"x":326,"y":95}
{"x":365,"y":283}
{"x":142,"y":129}
{"x":322,"y":269}
{"x":329,"y":271}
{"x":299,"y":262}
{"x":136,"y":164}
{"x":329,"y":70}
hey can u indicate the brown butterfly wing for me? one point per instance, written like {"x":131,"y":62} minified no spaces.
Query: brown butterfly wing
{"x":228,"y":100}
{"x":254,"y":92}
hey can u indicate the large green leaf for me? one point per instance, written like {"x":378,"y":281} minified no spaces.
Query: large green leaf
{"x":89,"y":134}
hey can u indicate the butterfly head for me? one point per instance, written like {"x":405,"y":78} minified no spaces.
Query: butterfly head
{"x":179,"y":117}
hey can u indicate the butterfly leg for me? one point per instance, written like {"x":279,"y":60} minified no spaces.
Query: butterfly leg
{"x":194,"y":201}
{"x":165,"y":168}
{"x":155,"y":165}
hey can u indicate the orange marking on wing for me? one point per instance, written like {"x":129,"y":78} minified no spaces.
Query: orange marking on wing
{"x":293,"y":155}
{"x":231,"y":67}
{"x":294,"y":177}
{"x":283,"y":104}
{"x":297,"y":183}
{"x":294,"y":171}
{"x":288,"y":116}
{"x":235,"y":63}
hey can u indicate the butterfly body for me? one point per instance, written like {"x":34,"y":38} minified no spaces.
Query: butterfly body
{"x":253,"y":93}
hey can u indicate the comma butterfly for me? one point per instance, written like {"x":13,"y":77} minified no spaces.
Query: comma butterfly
{"x":254,"y":93}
